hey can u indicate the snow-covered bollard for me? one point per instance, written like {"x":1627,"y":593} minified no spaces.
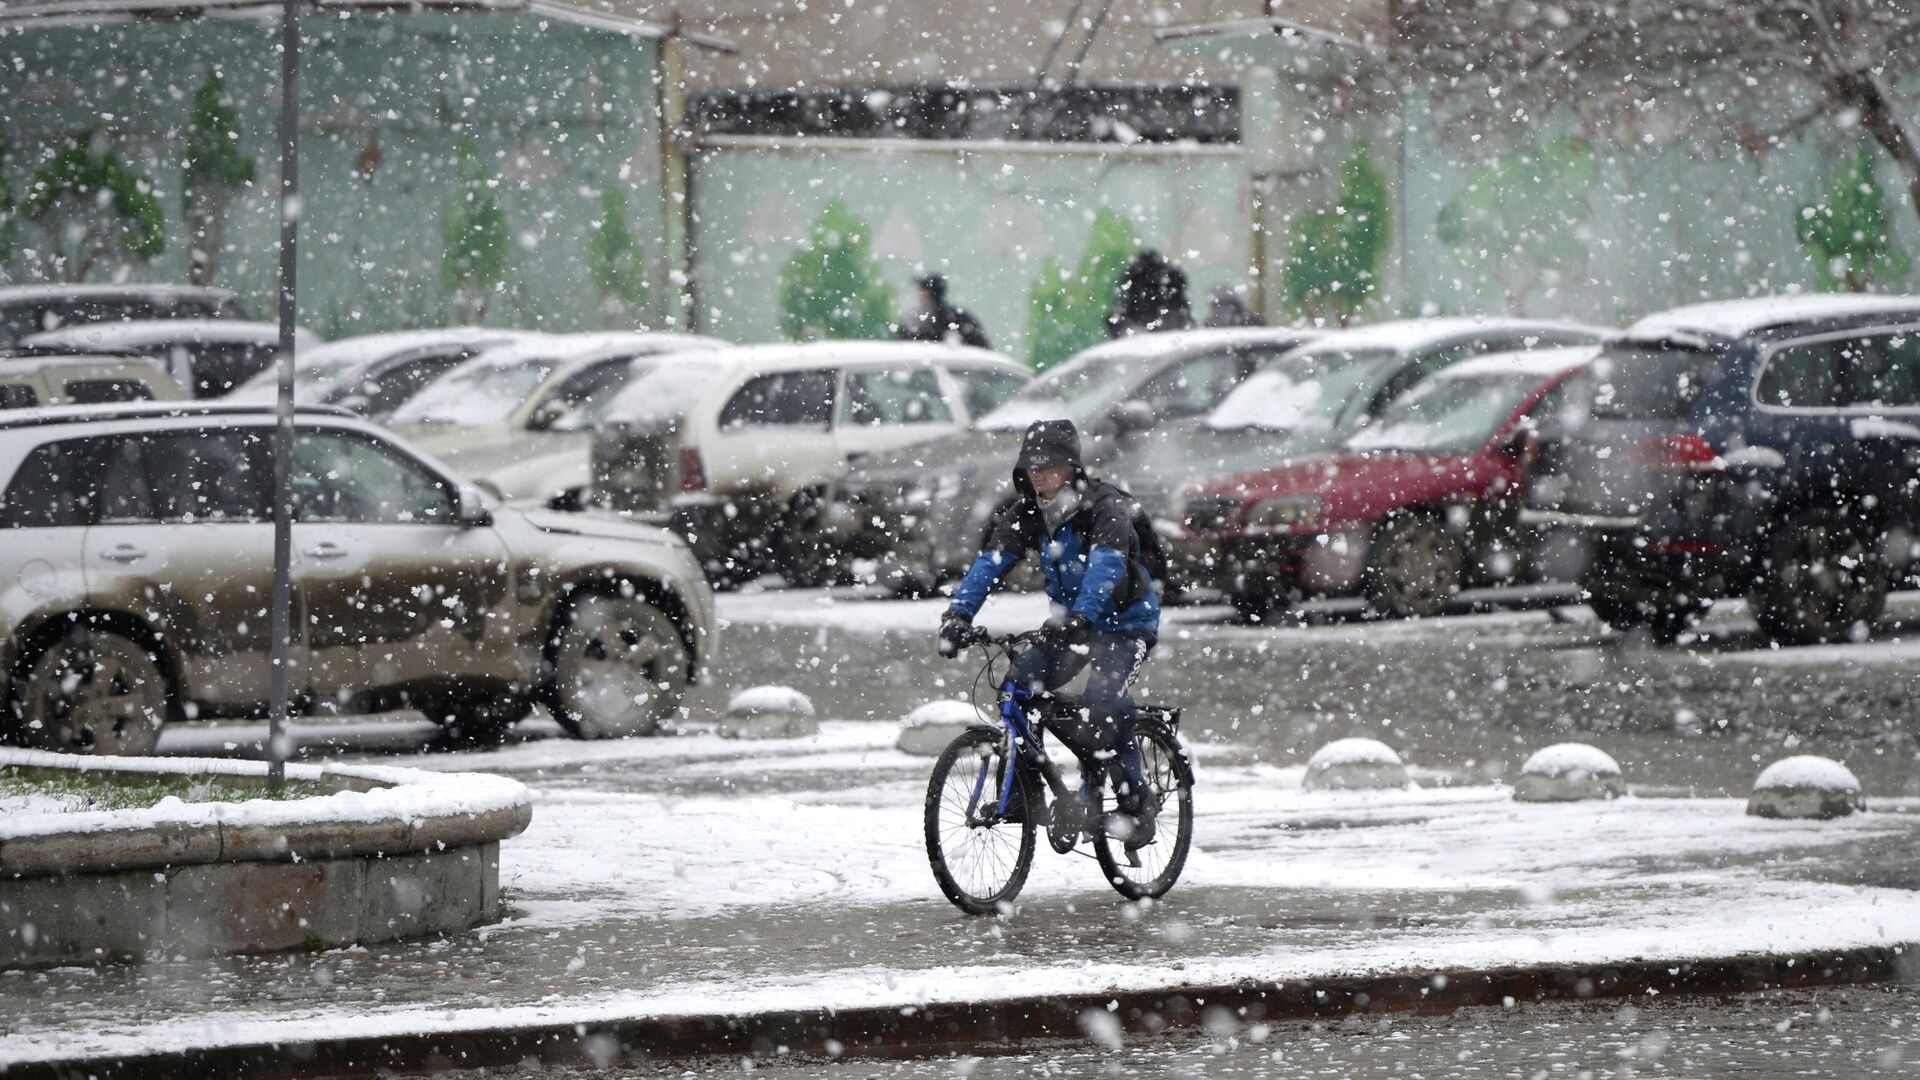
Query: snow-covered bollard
{"x":1806,"y":786}
{"x":928,"y":729}
{"x":1354,"y":765}
{"x":1568,"y":772}
{"x":769,"y":712}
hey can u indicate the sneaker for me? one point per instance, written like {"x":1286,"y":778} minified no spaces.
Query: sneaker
{"x":1136,"y":829}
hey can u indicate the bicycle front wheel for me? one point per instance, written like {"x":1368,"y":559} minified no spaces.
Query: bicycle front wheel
{"x":1151,"y":869}
{"x":979,"y":859}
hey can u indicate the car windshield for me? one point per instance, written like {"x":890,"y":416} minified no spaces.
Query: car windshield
{"x":314,"y":380}
{"x":481,"y":392}
{"x":1301,"y":391}
{"x":1077,"y":391}
{"x":661,"y":397}
{"x":1447,"y":415}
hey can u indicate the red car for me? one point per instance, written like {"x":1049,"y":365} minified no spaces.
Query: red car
{"x":1419,"y":504}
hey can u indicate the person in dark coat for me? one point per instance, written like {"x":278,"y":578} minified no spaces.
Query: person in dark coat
{"x":1152,"y":295}
{"x":1105,"y":614}
{"x":1225,"y":308}
{"x":937,"y":320}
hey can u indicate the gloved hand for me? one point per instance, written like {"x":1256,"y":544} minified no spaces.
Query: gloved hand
{"x":956,"y":629}
{"x":1061,"y":631}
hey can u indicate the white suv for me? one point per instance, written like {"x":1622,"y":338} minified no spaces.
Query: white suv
{"x":138,"y":557}
{"x":737,"y":452}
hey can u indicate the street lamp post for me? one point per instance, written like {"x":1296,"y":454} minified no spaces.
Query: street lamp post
{"x":283,"y":426}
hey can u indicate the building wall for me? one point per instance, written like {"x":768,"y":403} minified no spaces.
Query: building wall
{"x":987,"y":216}
{"x":559,"y":114}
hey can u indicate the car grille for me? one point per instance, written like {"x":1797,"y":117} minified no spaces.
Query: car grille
{"x":1211,"y":513}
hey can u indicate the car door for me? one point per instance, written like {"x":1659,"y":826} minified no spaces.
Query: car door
{"x":182,"y":537}
{"x":980,"y":390}
{"x":775,"y":433}
{"x":886,"y":406}
{"x":398,"y":592}
{"x":1880,"y":393}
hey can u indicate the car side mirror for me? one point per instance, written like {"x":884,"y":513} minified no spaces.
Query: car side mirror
{"x":1522,"y":443}
{"x":472,"y":511}
{"x":547,"y":415}
{"x":1133,"y":415}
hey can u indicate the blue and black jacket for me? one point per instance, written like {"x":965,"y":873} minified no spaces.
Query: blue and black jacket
{"x":1090,"y":562}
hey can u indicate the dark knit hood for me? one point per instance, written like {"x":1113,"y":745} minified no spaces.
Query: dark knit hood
{"x":1048,"y":443}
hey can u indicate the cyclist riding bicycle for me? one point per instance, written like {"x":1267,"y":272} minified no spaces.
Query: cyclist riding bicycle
{"x":1105,"y":614}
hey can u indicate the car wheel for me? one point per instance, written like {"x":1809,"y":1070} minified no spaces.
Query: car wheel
{"x":1826,"y":576}
{"x":620,"y":667}
{"x":91,"y":691}
{"x":809,"y":558}
{"x":1414,"y":569}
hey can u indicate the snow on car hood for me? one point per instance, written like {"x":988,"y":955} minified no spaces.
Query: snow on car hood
{"x":963,"y":451}
{"x":594,"y":526}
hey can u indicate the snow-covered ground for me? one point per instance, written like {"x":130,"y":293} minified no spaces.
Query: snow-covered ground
{"x":692,"y":874}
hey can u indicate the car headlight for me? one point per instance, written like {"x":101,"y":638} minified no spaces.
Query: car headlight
{"x":1284,"y":513}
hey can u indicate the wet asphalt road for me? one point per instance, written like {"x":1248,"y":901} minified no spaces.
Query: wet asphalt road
{"x":1841,"y":1032}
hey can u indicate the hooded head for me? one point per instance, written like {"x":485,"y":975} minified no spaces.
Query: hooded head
{"x":1048,"y":443}
{"x":934,"y":286}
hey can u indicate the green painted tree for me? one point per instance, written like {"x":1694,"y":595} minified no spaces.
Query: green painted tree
{"x":1849,"y":233}
{"x":90,"y":206}
{"x":1517,"y":227}
{"x":1333,"y":264}
{"x":832,"y":288}
{"x":474,"y":228}
{"x":213,"y":171}
{"x":618,"y":267}
{"x":1067,"y":310}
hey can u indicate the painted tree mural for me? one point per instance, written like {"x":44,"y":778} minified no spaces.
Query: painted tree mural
{"x":89,"y":206}
{"x":1849,"y":232}
{"x":213,"y":171}
{"x":613,"y":257}
{"x":1067,"y":310}
{"x":474,"y":228}
{"x":832,"y":287}
{"x":1333,"y":265}
{"x":1519,"y":225}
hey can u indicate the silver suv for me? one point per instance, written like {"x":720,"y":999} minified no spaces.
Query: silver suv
{"x":137,"y":572}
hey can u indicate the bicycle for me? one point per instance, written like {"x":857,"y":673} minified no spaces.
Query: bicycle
{"x":981,"y":839}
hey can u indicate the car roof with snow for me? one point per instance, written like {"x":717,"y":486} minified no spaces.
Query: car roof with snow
{"x":33,"y":294}
{"x":57,"y":363}
{"x":63,"y":415}
{"x":368,"y":348}
{"x":148,"y":333}
{"x":1171,"y":343}
{"x":1742,"y":318}
{"x":813,"y":354}
{"x":1543,"y":364}
{"x":592,"y":345}
{"x":1404,"y":335}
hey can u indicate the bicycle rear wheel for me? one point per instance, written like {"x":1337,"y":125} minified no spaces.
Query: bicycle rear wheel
{"x":1170,"y":786}
{"x":980,"y":861}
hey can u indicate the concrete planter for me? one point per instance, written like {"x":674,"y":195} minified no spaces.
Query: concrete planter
{"x":1355,"y":765}
{"x":1569,"y":772}
{"x":769,"y":712}
{"x":928,"y":730}
{"x":391,"y":853}
{"x":1806,"y":786}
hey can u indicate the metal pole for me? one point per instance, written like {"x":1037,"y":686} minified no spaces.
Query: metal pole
{"x":283,"y":426}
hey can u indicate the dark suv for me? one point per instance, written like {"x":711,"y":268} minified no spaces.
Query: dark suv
{"x":1766,"y":447}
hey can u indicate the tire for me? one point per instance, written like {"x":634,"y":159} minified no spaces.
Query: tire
{"x":1415,"y":568}
{"x":91,"y":691}
{"x":980,"y":868}
{"x":619,"y":668}
{"x":1826,"y":576}
{"x":808,"y":557}
{"x":1170,"y":780}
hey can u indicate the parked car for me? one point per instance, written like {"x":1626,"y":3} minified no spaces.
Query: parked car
{"x":209,"y":356}
{"x":374,"y":374}
{"x":35,"y":382}
{"x":1767,"y":448}
{"x":736,"y":455}
{"x":1415,"y":506}
{"x":139,"y":562}
{"x":1155,"y":412}
{"x":519,"y":417}
{"x":32,"y":309}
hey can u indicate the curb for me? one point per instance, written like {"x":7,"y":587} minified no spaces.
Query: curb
{"x":986,"y":1027}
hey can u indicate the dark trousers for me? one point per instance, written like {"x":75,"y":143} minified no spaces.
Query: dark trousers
{"x":1107,"y":727}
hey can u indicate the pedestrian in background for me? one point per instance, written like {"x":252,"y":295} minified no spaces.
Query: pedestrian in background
{"x":1152,"y":295}
{"x":1225,"y":308}
{"x":937,"y":320}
